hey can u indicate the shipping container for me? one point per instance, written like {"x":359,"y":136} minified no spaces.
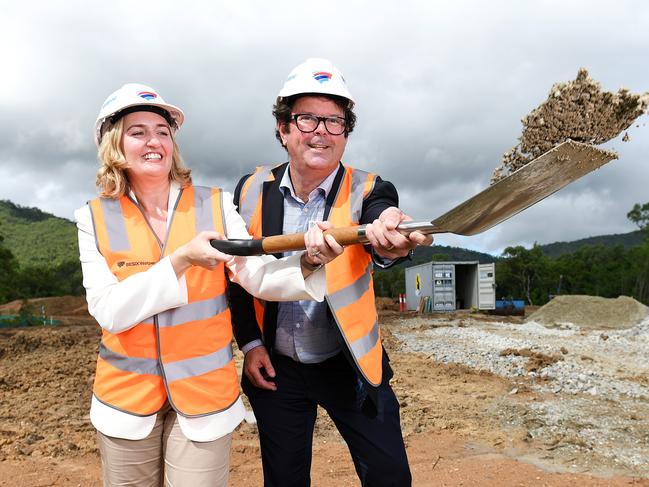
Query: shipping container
{"x":451,"y":285}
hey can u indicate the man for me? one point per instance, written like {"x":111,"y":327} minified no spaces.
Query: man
{"x":327,"y":354}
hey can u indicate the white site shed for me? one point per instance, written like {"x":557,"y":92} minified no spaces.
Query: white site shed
{"x":452,"y":285}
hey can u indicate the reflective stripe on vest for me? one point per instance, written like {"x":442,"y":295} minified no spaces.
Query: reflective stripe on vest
{"x":350,"y":290}
{"x":250,"y":211}
{"x":181,"y":369}
{"x":250,"y":198}
{"x":182,"y":354}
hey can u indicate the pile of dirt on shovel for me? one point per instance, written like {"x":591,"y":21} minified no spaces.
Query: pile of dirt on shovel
{"x":578,"y":110}
{"x":591,"y":312}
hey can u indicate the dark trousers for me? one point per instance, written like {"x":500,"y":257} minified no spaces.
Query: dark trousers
{"x":286,"y":419}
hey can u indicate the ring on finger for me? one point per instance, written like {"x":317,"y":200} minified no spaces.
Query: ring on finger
{"x":314,"y":253}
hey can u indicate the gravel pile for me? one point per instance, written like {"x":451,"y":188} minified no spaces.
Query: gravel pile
{"x":591,"y":312}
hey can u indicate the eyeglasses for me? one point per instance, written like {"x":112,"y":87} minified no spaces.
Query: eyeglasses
{"x":308,"y":123}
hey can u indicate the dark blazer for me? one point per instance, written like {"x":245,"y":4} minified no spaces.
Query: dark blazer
{"x":245,"y":326}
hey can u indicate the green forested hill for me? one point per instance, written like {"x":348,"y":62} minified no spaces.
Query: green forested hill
{"x":39,"y":257}
{"x":37,"y":238}
{"x":608,"y":266}
{"x":438,"y":252}
{"x":556,"y":249}
{"x":626,"y":240}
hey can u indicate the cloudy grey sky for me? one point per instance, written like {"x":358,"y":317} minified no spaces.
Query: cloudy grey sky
{"x":440,"y":88}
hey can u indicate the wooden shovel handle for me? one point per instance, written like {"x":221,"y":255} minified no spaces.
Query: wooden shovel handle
{"x":295,"y":241}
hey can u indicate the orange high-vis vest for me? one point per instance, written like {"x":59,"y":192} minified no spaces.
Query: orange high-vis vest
{"x":350,"y":289}
{"x":184,"y":354}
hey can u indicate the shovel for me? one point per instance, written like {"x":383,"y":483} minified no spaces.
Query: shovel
{"x":533,"y":182}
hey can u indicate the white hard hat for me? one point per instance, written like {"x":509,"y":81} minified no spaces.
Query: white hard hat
{"x":135,"y":95}
{"x":316,"y":75}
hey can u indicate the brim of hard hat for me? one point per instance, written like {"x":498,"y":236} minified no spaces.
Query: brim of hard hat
{"x":283,"y":94}
{"x":175,"y":112}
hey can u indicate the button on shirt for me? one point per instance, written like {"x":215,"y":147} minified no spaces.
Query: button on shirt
{"x":304,"y":331}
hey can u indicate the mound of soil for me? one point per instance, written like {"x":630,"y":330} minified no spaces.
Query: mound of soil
{"x":54,"y":306}
{"x":537,"y":360}
{"x":591,"y":312}
{"x":578,"y":110}
{"x":383,"y":304}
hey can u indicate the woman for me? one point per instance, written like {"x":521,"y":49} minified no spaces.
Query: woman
{"x":166,"y":388}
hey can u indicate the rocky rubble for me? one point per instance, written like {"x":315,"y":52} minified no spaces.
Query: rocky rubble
{"x":597,"y":363}
{"x":591,"y":391}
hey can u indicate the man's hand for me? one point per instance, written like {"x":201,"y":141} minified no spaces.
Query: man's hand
{"x":258,"y":368}
{"x":388,"y":242}
{"x":320,"y":248}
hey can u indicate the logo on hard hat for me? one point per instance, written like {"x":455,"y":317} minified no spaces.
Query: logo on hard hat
{"x":147,"y":95}
{"x":322,"y":76}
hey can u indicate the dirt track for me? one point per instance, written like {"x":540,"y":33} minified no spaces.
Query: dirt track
{"x":459,"y":422}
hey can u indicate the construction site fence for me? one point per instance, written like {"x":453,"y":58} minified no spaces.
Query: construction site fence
{"x":13,"y":321}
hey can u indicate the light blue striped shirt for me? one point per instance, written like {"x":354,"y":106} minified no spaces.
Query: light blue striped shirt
{"x":304,"y":332}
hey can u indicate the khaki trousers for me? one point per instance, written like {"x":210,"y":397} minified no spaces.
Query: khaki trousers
{"x":165,"y":458}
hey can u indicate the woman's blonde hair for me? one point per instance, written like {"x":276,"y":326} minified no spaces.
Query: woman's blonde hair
{"x":112,"y":180}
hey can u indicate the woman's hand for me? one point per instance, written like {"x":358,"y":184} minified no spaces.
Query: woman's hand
{"x":199,"y":252}
{"x":320,"y":249}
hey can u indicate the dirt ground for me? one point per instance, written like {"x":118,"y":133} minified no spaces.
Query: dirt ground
{"x":459,"y":422}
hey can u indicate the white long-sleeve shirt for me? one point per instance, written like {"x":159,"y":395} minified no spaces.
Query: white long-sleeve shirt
{"x":118,"y":306}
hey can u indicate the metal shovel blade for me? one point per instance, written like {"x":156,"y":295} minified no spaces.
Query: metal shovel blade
{"x":535,"y":181}
{"x":523,"y":188}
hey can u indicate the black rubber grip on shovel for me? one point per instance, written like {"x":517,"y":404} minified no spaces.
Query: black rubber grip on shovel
{"x":239,"y":246}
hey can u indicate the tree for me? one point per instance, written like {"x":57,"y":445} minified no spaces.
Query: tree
{"x":639,"y":215}
{"x":8,"y":270}
{"x":441,"y":258}
{"x":521,"y":273}
{"x":596,"y":270}
{"x":389,"y":282}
